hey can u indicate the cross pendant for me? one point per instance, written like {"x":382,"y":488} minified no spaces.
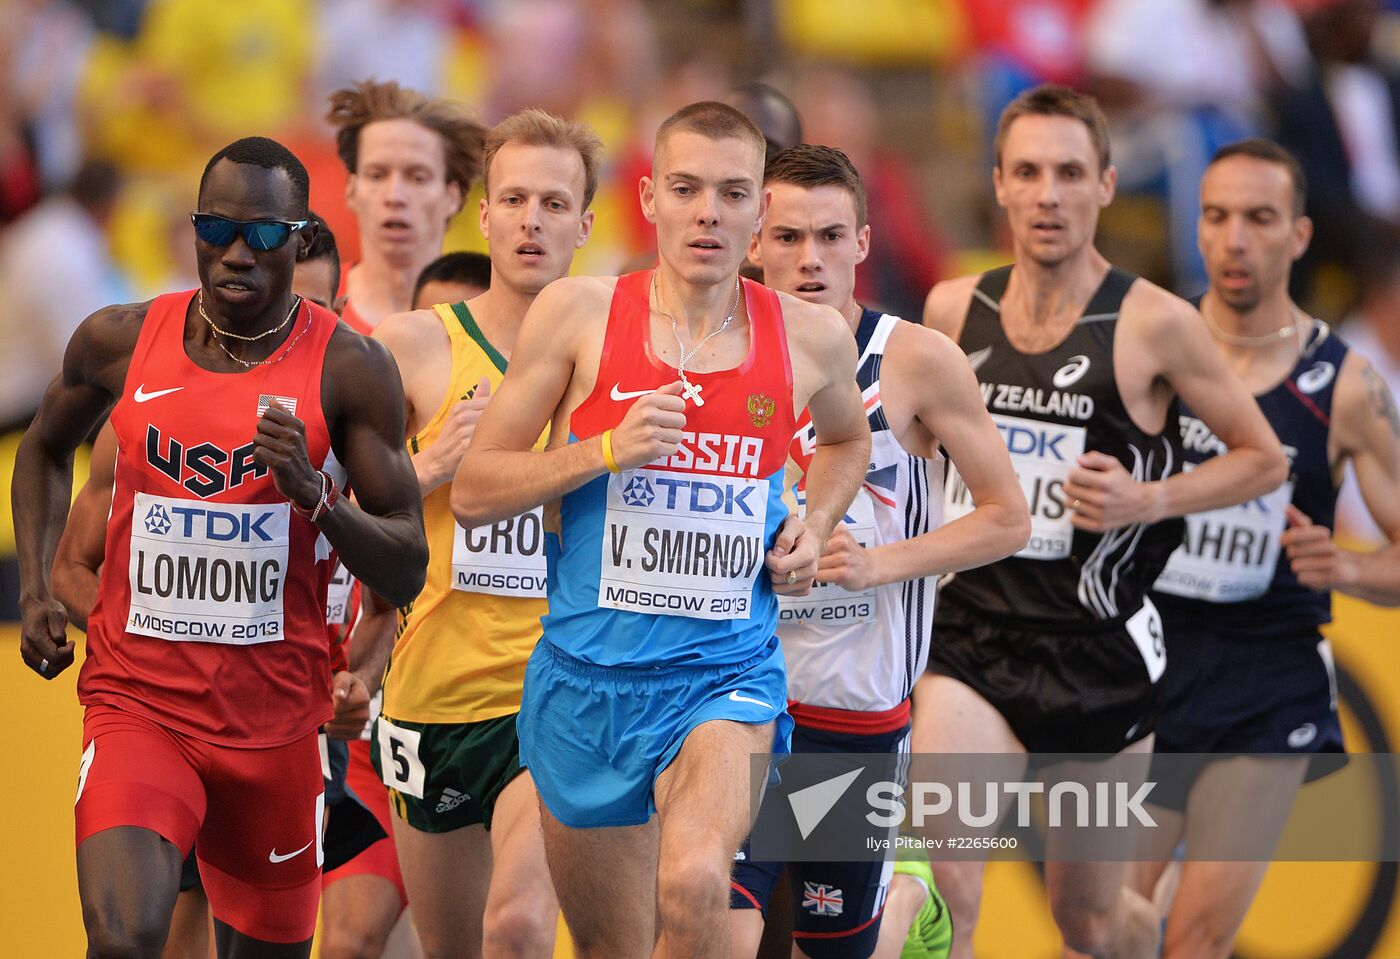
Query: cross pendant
{"x":692,"y":392}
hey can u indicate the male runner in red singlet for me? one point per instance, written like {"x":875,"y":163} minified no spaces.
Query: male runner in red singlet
{"x":411,"y":161}
{"x":77,"y":570}
{"x":206,"y":668}
{"x":672,"y":396}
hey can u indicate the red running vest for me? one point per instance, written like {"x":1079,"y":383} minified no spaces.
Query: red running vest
{"x":211,"y":612}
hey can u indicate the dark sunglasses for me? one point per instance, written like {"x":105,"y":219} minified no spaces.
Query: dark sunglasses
{"x":258,"y":234}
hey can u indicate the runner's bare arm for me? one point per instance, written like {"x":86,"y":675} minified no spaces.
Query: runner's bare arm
{"x":78,"y":561}
{"x":1198,"y":373}
{"x":945,"y":307}
{"x":379,"y":535}
{"x":419,"y":344}
{"x":372,"y":639}
{"x":94,"y":368}
{"x":1168,"y":347}
{"x":1366,"y":428}
{"x":500,"y":476}
{"x":999,"y":525}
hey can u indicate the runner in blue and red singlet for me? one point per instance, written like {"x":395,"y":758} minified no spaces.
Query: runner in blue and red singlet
{"x":673,"y":397}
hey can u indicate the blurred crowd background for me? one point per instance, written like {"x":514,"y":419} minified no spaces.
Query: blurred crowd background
{"x":111,"y":108}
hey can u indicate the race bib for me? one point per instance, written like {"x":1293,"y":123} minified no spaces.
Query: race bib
{"x":338,"y":595}
{"x":683,"y":544}
{"x":1042,"y":455}
{"x":208,"y":572}
{"x":502,"y":559}
{"x":398,"y":758}
{"x":1145,"y":629}
{"x":1229,"y":555}
{"x":828,"y":604}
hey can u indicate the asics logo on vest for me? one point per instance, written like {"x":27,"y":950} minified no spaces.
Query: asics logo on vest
{"x":1072,"y":372}
{"x":205,"y":469}
{"x":141,"y":396}
{"x":1317,"y":377}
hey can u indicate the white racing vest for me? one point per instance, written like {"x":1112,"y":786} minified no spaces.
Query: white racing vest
{"x":863,"y":651}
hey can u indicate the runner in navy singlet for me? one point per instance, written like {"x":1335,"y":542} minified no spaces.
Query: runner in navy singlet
{"x":1243,"y":597}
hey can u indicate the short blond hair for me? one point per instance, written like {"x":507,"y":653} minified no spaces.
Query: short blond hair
{"x":356,"y":107}
{"x":533,"y":127}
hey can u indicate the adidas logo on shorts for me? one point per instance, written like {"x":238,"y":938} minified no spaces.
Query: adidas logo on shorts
{"x":451,"y":799}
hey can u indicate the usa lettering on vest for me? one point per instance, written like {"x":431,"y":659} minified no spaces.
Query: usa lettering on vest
{"x":204,"y":469}
{"x":207,"y":572}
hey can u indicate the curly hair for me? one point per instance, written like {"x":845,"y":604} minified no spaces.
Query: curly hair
{"x":355,"y":107}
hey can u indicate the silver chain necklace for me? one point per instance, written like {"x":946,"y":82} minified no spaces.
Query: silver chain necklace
{"x":1239,"y":339}
{"x":691,"y":390}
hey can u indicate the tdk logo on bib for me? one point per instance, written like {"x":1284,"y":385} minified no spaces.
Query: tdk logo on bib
{"x":1026,"y":439}
{"x":638,"y":492}
{"x":699,"y":496}
{"x":247,"y":525}
{"x":158,"y":520}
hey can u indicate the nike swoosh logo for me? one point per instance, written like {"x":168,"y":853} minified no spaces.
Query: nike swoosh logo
{"x":141,"y":396}
{"x":274,"y":857}
{"x":618,"y":395}
{"x":977,"y":358}
{"x":744,"y":699}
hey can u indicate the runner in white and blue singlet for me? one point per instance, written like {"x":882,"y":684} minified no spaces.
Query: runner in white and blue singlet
{"x":855,"y":645}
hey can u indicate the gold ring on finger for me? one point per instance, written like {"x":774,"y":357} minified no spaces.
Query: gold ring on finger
{"x":792,"y":577}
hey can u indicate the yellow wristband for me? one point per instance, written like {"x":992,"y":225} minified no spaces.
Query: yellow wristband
{"x":608,"y":459}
